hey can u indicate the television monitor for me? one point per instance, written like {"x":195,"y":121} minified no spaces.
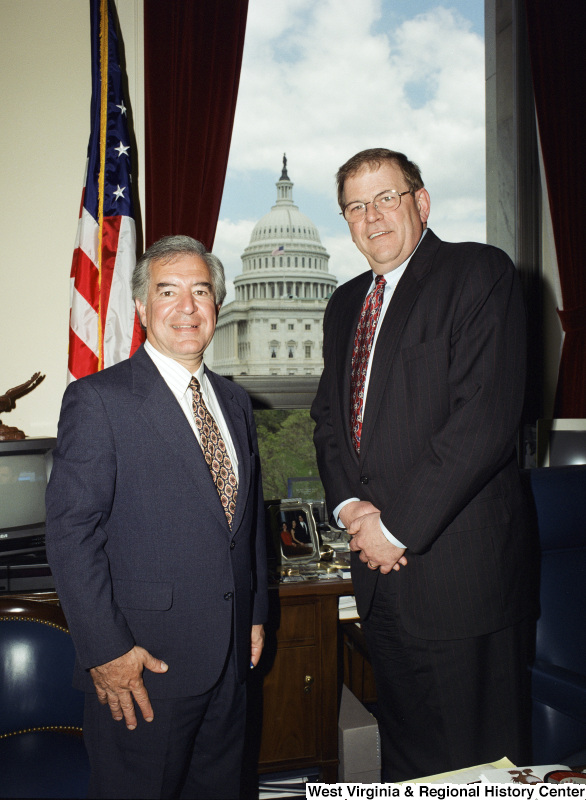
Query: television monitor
{"x":561,"y":442}
{"x":25,"y":466}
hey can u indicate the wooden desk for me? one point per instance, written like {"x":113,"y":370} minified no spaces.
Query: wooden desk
{"x":358,"y":674}
{"x":294,"y":691}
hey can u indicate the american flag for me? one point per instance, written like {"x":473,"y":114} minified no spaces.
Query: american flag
{"x":103,"y":327}
{"x":278,"y":250}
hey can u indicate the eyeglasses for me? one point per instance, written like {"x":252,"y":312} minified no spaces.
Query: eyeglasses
{"x":383,"y":202}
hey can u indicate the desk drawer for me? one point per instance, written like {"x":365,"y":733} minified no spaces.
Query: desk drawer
{"x":298,"y":623}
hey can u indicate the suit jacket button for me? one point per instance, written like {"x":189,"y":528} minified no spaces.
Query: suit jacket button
{"x":232,"y":545}
{"x":364,"y":479}
{"x":228,"y":595}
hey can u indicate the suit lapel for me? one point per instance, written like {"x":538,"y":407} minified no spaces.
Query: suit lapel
{"x":396,"y":317}
{"x":164,"y":415}
{"x":389,"y":336}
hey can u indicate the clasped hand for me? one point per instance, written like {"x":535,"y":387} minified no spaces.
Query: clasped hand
{"x":362,"y":521}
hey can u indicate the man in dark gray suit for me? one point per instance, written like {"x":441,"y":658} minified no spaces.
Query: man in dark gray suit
{"x":155,"y":536}
{"x":416,"y":417}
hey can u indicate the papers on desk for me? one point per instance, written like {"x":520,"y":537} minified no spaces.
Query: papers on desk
{"x":347,"y":608}
{"x":286,"y":784}
{"x":503,"y":771}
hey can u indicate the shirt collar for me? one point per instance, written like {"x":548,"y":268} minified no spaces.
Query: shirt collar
{"x":393,"y":277}
{"x":175,"y":375}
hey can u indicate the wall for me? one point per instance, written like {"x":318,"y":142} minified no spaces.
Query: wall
{"x":518,"y":218}
{"x":45,"y":90}
{"x":553,"y":335}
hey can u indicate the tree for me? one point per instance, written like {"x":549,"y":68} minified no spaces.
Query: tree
{"x":286,"y":451}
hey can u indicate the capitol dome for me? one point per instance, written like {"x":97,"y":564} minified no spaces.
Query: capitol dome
{"x":274,"y":325}
{"x":284,"y":219}
{"x":285,"y":256}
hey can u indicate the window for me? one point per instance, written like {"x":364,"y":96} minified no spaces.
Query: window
{"x":291,"y":326}
{"x":313,"y":289}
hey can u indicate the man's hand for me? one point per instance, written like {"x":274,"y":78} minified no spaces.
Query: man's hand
{"x":375,"y":549}
{"x":119,"y":681}
{"x":257,"y":642}
{"x":355,"y":509}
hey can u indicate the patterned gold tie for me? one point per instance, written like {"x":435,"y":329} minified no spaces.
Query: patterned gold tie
{"x":215,"y":453}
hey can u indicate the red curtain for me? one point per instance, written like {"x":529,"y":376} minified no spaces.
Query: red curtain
{"x":193,"y":54}
{"x":557,"y":47}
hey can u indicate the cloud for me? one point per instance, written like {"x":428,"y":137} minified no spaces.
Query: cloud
{"x":231,"y":239}
{"x":323,"y":79}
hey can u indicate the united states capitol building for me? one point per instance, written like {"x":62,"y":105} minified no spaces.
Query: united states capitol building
{"x":274,"y":326}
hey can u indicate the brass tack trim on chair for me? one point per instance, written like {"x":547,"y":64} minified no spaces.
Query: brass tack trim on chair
{"x":46,"y":729}
{"x":34,"y":619}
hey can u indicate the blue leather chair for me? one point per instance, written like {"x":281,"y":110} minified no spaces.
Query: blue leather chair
{"x":559,"y":672}
{"x":41,"y":746}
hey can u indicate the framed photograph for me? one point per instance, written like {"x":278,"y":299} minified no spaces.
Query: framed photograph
{"x":293,"y":531}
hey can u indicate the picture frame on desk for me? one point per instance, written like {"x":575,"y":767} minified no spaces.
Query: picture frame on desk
{"x":293,"y":531}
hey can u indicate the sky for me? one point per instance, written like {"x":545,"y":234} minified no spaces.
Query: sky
{"x":324,"y":79}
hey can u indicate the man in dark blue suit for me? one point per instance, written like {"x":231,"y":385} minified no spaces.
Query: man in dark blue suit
{"x":155,"y":536}
{"x":417,"y":415}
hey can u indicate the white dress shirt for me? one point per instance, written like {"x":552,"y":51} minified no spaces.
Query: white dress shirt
{"x":177,"y":378}
{"x":392,"y":279}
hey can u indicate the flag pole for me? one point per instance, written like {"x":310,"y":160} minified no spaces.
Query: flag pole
{"x":101,"y":180}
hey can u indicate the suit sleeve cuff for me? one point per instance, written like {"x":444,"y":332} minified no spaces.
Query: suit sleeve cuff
{"x":339,"y":507}
{"x":392,"y":539}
